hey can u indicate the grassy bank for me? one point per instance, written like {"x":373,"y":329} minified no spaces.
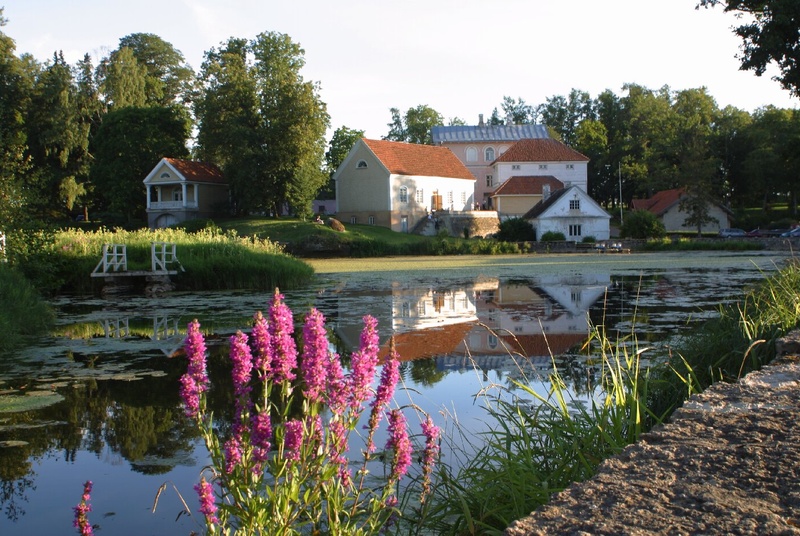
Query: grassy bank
{"x":529,"y":453}
{"x":212,"y":259}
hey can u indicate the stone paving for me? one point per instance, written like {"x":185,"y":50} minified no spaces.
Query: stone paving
{"x":728,"y":462}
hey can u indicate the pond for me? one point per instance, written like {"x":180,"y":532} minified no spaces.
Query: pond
{"x":102,"y":390}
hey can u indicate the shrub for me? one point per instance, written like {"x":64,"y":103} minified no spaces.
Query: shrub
{"x":552,"y":236}
{"x":642,"y":224}
{"x":516,"y":230}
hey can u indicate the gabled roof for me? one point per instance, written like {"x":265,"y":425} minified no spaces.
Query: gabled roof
{"x":528,"y":185}
{"x":402,"y":158}
{"x":194,"y":171}
{"x":544,"y":204}
{"x":660,"y":202}
{"x":484,"y":133}
{"x":541,"y":150}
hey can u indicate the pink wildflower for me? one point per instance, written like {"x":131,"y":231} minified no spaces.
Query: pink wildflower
{"x":390,"y":375}
{"x":207,"y":505}
{"x":262,"y":347}
{"x":337,"y":385}
{"x":233,"y":453}
{"x":363,"y":363}
{"x":337,"y":448}
{"x":293,"y":439}
{"x":242,"y":364}
{"x":261,"y":436}
{"x":195,"y":382}
{"x":82,"y":510}
{"x":400,"y":443}
{"x":431,"y":433}
{"x":315,"y":356}
{"x":281,"y":328}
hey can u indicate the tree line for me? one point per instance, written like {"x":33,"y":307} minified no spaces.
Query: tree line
{"x":85,"y":135}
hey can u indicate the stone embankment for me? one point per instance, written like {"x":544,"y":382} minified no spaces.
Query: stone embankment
{"x":728,"y":462}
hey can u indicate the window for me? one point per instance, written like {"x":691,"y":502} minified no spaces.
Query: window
{"x":177,"y":194}
{"x":570,"y":166}
{"x":542,"y":166}
{"x":489,"y":180}
{"x":574,"y":230}
{"x":488,"y":154}
{"x":515,"y":167}
{"x":574,"y":204}
{"x":464,"y":198}
{"x":404,"y":194}
{"x":361,"y":164}
{"x":164,"y":176}
{"x":353,"y":219}
{"x":450,"y":198}
{"x":420,"y":196}
{"x":472,"y":154}
{"x":371,"y":220}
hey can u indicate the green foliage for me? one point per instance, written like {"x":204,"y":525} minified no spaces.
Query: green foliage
{"x":263,"y":124}
{"x":516,"y":230}
{"x":23,"y":313}
{"x":128,"y":144}
{"x":415,"y":126}
{"x":553,"y":236}
{"x":642,"y":224}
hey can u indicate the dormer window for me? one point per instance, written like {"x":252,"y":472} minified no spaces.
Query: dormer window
{"x":362,"y":164}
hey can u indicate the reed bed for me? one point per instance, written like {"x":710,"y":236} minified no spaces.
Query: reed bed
{"x":531,"y":451}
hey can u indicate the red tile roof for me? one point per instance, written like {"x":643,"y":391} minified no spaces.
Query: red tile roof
{"x":541,"y":150}
{"x":660,"y":202}
{"x":422,"y":160}
{"x":528,"y":185}
{"x":426,"y":343}
{"x":197,"y":171}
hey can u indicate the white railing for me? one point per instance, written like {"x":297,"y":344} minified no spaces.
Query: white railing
{"x":163,"y":254}
{"x":115,"y":258}
{"x":171,"y":205}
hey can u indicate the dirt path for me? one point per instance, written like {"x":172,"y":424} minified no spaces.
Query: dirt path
{"x":727,"y":463}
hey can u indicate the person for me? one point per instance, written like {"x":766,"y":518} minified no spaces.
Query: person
{"x":318,"y":220}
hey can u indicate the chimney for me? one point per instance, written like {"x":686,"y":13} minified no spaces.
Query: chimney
{"x":480,"y":120}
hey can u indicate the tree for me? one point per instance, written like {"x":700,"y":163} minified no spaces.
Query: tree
{"x":169,"y":79}
{"x":415,"y":126}
{"x":564,"y":114}
{"x":128,"y":144}
{"x":342,"y":141}
{"x":13,"y":137}
{"x":769,"y":36}
{"x":263,"y":123}
{"x":123,"y":80}
{"x":518,"y":112}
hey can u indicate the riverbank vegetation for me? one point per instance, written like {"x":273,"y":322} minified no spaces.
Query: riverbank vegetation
{"x":22,"y":311}
{"x":535,"y":449}
{"x":212,"y":259}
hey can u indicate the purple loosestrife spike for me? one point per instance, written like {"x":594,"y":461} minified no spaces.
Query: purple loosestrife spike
{"x":293,"y":439}
{"x":262,"y":346}
{"x":81,"y":521}
{"x":431,"y":433}
{"x":363,"y":363}
{"x":261,"y":436}
{"x":242,"y":364}
{"x":337,"y":448}
{"x":390,"y":375}
{"x":207,"y":505}
{"x":195,"y":382}
{"x":233,"y":453}
{"x":281,"y":328}
{"x":337,"y":385}
{"x":400,"y":443}
{"x":315,"y":356}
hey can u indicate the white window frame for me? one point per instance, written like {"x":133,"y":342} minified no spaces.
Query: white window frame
{"x":575,"y":229}
{"x":486,"y":154}
{"x":574,"y":204}
{"x":471,"y":154}
{"x":420,"y":196}
{"x":403,"y":194}
{"x":489,"y":180}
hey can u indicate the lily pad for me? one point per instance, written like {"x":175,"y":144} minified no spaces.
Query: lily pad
{"x":30,"y":402}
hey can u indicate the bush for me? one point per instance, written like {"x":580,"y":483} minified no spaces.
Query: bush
{"x":552,"y":236}
{"x":642,"y":224}
{"x":516,"y":230}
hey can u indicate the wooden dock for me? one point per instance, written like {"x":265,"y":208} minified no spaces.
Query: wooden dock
{"x":114,"y":263}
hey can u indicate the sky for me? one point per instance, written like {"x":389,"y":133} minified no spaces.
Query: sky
{"x":460,"y":57}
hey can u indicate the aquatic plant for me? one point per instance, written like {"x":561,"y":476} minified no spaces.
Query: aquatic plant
{"x":283,"y":467}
